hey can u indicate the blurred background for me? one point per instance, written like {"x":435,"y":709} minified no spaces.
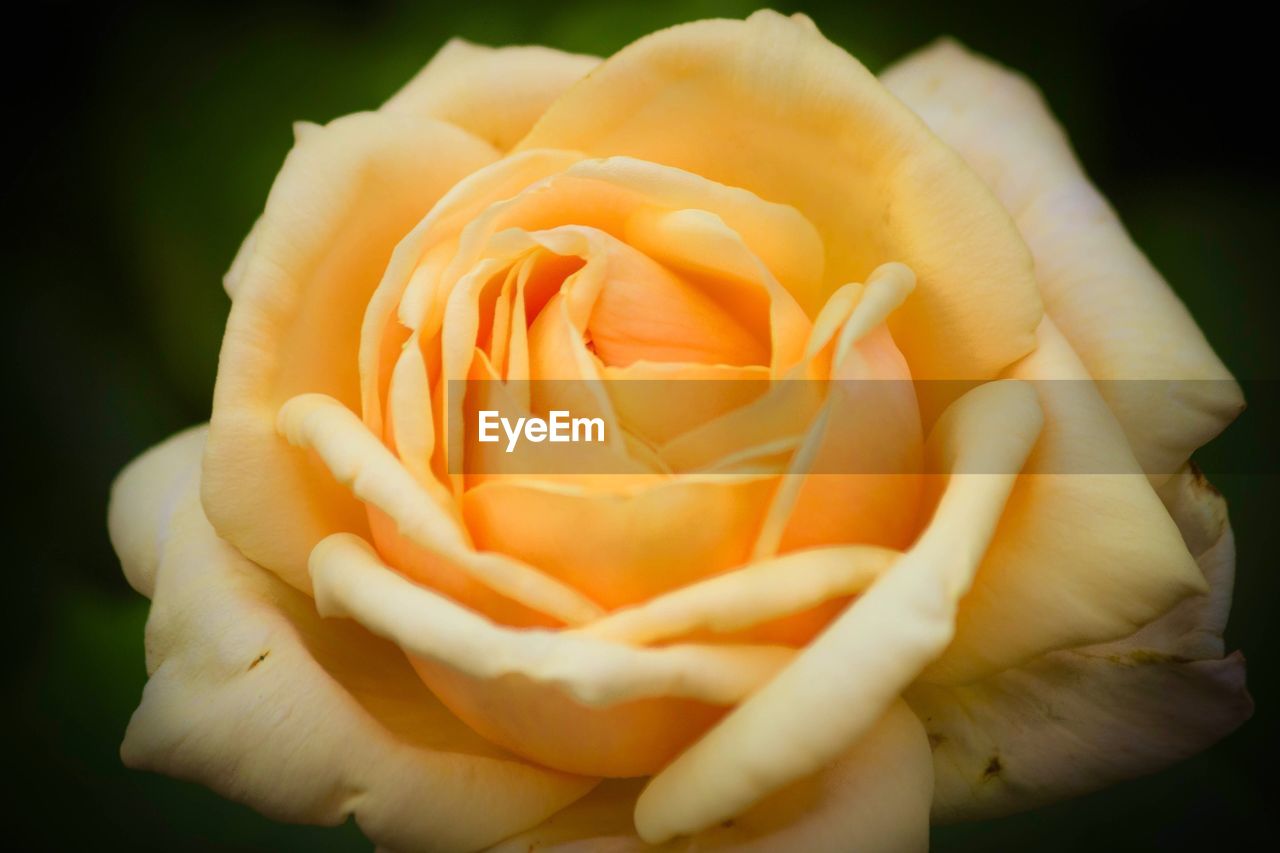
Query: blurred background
{"x":143,"y":138}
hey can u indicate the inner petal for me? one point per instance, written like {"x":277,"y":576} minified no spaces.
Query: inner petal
{"x":645,"y":312}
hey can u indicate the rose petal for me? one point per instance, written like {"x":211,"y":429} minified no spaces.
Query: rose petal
{"x":875,"y":797}
{"x":746,"y":597}
{"x":412,"y":294}
{"x":835,"y":690}
{"x":771,"y":106}
{"x":621,"y":545}
{"x":703,"y":245}
{"x":1075,"y":721}
{"x":646,"y":312}
{"x":352,"y":581}
{"x":355,"y":458}
{"x":661,"y":400}
{"x":346,"y":194}
{"x":308,"y":720}
{"x":1112,"y":305}
{"x":1193,"y":628}
{"x":610,"y":463}
{"x":144,"y":497}
{"x":562,"y":699}
{"x":1043,"y":585}
{"x":779,"y":420}
{"x":495,"y":93}
{"x":856,"y":478}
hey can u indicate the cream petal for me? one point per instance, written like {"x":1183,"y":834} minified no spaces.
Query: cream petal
{"x":778,"y":420}
{"x":231,"y":280}
{"x":1071,"y":723}
{"x":645,"y":312}
{"x":661,"y":400}
{"x":743,"y":598}
{"x":1074,"y":721}
{"x":608,"y":464}
{"x":411,"y":290}
{"x":835,"y":690}
{"x":777,"y":235}
{"x":355,"y":458}
{"x":700,"y":242}
{"x":620,"y":546}
{"x":875,"y":797}
{"x":1044,"y":586}
{"x":1193,"y":628}
{"x":769,"y":105}
{"x":144,"y":497}
{"x":410,"y":417}
{"x":1112,"y":305}
{"x":254,"y":695}
{"x":627,"y":197}
{"x":495,"y":93}
{"x":350,"y":580}
{"x":346,"y":194}
{"x":856,"y":477}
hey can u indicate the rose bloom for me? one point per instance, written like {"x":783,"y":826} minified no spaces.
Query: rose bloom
{"x":348,"y":620}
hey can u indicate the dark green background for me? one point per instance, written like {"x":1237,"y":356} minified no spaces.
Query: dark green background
{"x":142,"y":142}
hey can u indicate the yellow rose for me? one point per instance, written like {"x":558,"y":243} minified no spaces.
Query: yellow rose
{"x":720,"y":642}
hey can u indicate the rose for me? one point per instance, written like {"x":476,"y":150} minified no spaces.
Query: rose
{"x":722,"y":200}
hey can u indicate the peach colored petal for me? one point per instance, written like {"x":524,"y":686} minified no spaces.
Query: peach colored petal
{"x":610,"y":464}
{"x":748,"y":596}
{"x":659,"y":401}
{"x":346,"y":194}
{"x":835,"y":690}
{"x":495,"y":93}
{"x":412,"y":291}
{"x":357,"y":460}
{"x":621,"y":546}
{"x":352,"y":581}
{"x":1043,"y":585}
{"x":856,"y":477}
{"x":625,"y":197}
{"x":1113,"y":307}
{"x":145,"y":496}
{"x":875,"y":797}
{"x":769,"y":105}
{"x":702,"y":245}
{"x":305,"y":719}
{"x":564,"y":699}
{"x":1077,"y":720}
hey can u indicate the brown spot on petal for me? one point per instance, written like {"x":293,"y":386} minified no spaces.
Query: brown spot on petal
{"x":1202,"y":481}
{"x":993,"y":769}
{"x":260,"y":658}
{"x":936,"y":740}
{"x":1140,"y":657}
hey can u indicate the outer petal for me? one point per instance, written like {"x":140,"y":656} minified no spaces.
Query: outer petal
{"x":1074,"y":721}
{"x":873,"y":798}
{"x":834,"y":691}
{"x":769,"y":105}
{"x":1114,"y":308}
{"x":143,"y":500}
{"x":495,"y":93}
{"x":358,"y":460}
{"x":560,"y":698}
{"x":346,"y":194}
{"x":351,"y":581}
{"x":756,"y":593}
{"x":1043,"y":585}
{"x":252,"y":694}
